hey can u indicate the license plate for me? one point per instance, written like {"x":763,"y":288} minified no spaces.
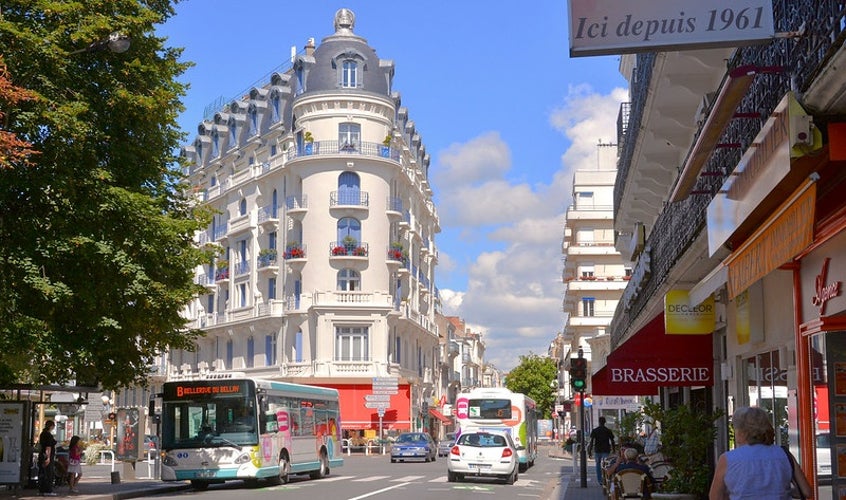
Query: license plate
{"x":408,"y":454}
{"x":206,"y":474}
{"x":479,"y":466}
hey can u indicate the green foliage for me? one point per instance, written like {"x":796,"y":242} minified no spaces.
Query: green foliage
{"x":532,"y":377}
{"x":687,"y":436}
{"x":627,"y":427}
{"x":96,"y":252}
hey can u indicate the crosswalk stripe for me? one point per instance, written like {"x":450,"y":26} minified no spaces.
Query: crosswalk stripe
{"x":329,"y":479}
{"x":440,"y":479}
{"x":370,"y":478}
{"x":407,"y":479}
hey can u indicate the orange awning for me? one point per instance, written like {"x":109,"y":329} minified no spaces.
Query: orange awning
{"x":440,"y":416}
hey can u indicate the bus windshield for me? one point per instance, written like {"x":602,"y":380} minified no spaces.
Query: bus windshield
{"x":490,"y":408}
{"x":209,"y":414}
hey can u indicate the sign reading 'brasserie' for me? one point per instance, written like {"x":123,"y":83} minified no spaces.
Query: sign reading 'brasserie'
{"x":667,"y":376}
{"x":602,"y":27}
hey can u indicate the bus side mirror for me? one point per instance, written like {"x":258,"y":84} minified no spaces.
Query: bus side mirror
{"x":151,"y":412}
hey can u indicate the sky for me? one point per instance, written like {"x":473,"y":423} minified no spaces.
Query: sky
{"x":503,"y":111}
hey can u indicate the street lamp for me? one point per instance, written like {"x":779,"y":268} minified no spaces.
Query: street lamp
{"x":117,"y":43}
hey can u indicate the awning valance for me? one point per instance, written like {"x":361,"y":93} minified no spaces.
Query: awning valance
{"x":440,"y":416}
{"x":651,"y":359}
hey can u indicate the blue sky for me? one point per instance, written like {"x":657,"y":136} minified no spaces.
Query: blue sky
{"x":503,"y":111}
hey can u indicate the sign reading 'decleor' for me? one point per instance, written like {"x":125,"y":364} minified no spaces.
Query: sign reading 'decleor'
{"x":602,"y":27}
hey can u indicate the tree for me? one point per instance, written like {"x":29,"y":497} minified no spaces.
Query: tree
{"x":96,"y":252}
{"x":532,"y":377}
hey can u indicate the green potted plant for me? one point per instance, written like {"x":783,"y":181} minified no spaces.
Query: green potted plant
{"x":687,"y":438}
{"x":309,"y":142}
{"x":266,"y":256}
{"x":349,"y":242}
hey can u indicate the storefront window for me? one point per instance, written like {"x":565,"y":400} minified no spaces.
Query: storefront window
{"x":826,"y":353}
{"x":766,"y":382}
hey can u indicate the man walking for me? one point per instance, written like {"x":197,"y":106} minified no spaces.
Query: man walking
{"x":601,"y":442}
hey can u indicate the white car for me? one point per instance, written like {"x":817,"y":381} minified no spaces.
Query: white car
{"x":483,"y":454}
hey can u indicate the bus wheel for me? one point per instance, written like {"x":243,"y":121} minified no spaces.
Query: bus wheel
{"x":284,"y":469}
{"x":323,"y":471}
{"x":199,"y":485}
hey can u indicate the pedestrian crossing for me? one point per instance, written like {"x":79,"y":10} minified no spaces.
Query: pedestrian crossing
{"x":408,"y":479}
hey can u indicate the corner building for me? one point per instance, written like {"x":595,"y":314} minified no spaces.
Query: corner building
{"x":324,"y":221}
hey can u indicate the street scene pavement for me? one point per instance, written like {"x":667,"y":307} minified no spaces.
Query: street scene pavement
{"x":99,"y":482}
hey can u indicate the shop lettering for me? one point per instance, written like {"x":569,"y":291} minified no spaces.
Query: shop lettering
{"x":182,"y":392}
{"x":665,"y":375}
{"x":684,"y":308}
{"x":824,"y":292}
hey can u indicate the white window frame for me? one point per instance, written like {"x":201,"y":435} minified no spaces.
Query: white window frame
{"x":352,"y":343}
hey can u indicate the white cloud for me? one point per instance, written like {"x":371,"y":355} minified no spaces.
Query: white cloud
{"x":514,"y":294}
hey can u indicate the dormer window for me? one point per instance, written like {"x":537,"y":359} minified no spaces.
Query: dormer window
{"x":215,"y":152}
{"x":300,"y":74}
{"x":233,"y":133}
{"x":275,"y":105}
{"x":253,"y":120}
{"x":349,"y":74}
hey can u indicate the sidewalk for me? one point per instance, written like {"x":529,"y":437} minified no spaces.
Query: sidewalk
{"x":570,"y":486}
{"x":97,"y":484}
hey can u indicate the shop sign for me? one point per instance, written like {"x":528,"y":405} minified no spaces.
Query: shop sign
{"x":603,"y":27}
{"x":683,"y":318}
{"x":823,"y":292}
{"x":668,"y":376}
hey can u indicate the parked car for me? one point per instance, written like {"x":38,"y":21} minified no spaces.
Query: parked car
{"x":446,"y":444}
{"x":483,"y":454}
{"x":414,"y":446}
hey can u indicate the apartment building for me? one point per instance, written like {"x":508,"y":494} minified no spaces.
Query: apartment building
{"x":324,"y":225}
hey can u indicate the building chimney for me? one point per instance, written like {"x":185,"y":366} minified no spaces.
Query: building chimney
{"x":309,"y":48}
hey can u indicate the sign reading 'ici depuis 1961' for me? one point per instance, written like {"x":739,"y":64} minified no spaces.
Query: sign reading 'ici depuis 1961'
{"x":602,"y":27}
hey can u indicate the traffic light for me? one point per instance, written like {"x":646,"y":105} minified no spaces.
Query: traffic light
{"x":578,"y":374}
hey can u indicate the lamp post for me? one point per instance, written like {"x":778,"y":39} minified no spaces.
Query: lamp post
{"x":107,"y":403}
{"x":117,"y":43}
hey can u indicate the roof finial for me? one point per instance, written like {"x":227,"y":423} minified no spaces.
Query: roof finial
{"x":344,"y":21}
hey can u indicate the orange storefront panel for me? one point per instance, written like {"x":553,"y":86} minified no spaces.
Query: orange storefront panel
{"x":356,"y":415}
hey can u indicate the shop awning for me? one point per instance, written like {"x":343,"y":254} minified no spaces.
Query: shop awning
{"x":651,"y":359}
{"x":440,"y":416}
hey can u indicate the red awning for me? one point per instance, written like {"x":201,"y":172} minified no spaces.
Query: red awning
{"x":651,"y":359}
{"x":440,"y":416}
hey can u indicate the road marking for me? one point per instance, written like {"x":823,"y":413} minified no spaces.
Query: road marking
{"x":372,"y":493}
{"x":441,"y":479}
{"x":407,"y":479}
{"x":335,"y":478}
{"x":371,"y":478}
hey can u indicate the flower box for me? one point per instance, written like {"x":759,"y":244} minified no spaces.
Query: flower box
{"x":339,"y":250}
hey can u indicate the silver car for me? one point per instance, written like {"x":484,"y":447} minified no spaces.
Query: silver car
{"x":483,"y":454}
{"x":446,"y":444}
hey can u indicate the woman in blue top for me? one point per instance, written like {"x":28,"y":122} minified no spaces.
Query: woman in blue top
{"x":756,"y":468}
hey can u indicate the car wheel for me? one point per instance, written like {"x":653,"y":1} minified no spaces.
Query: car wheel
{"x":511,"y":479}
{"x":452,"y":476}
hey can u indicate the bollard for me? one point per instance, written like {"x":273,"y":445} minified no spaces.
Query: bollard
{"x":115,"y":477}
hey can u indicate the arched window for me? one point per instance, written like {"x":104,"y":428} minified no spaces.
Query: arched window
{"x":275,"y":107}
{"x":349,"y":280}
{"x":242,"y":207}
{"x":349,"y":227}
{"x":270,"y":349}
{"x":349,"y":74}
{"x":349,"y":190}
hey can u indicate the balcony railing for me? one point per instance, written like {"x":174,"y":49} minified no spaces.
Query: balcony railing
{"x":334,"y":148}
{"x":350,"y":198}
{"x":679,"y":224}
{"x":296,"y":202}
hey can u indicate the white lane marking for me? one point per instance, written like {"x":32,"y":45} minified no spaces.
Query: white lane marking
{"x":406,"y":479}
{"x":372,"y":493}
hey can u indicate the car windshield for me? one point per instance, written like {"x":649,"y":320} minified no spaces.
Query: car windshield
{"x":483,"y":440}
{"x":411,"y":438}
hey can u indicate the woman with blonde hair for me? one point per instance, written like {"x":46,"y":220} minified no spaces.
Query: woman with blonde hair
{"x":756,"y":468}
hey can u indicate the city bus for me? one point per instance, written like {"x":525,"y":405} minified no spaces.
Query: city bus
{"x":227,"y":426}
{"x":500,"y":409}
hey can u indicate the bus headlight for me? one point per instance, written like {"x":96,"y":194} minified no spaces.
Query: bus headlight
{"x":169,"y":461}
{"x":243,"y":458}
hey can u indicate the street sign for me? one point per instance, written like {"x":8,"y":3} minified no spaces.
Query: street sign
{"x":377,"y":404}
{"x":389,"y":392}
{"x":377,"y":397}
{"x":381,"y":412}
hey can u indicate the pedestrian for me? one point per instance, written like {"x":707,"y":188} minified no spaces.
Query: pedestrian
{"x":601,"y":444}
{"x":652,"y":441}
{"x":74,"y":463}
{"x":756,"y":468}
{"x":46,"y":459}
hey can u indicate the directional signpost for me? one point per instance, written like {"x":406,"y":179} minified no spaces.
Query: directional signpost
{"x":380,"y":399}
